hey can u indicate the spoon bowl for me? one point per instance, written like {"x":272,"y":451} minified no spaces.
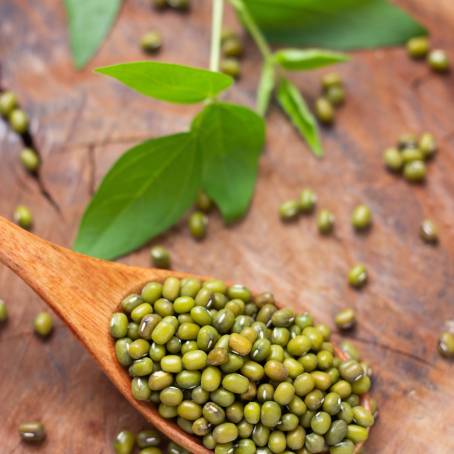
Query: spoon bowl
{"x":84,"y":292}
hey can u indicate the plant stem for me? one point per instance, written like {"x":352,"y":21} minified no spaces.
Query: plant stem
{"x":216,"y":27}
{"x":252,"y":28}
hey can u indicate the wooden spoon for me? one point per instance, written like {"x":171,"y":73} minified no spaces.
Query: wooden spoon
{"x":84,"y":292}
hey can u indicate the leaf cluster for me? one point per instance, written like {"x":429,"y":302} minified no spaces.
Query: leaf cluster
{"x":287,"y":94}
{"x":153,"y":184}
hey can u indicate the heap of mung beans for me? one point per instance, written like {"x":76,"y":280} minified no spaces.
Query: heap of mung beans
{"x":239,"y":372}
{"x":9,"y":108}
{"x":333,"y":96}
{"x":410,"y":155}
{"x":198,"y":220}
{"x":232,"y":49}
{"x":18,"y":121}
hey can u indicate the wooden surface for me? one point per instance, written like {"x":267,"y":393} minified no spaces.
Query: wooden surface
{"x":82,"y":122}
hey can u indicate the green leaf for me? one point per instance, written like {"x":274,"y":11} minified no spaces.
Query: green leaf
{"x":144,"y":193}
{"x":169,"y":82}
{"x":89,"y":23}
{"x":335,"y":24}
{"x":295,"y":107}
{"x":266,"y":87}
{"x":230,"y":138}
{"x":304,"y":59}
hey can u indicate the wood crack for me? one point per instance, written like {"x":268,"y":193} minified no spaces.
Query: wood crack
{"x":395,"y":351}
{"x":48,"y":196}
{"x":29,"y":142}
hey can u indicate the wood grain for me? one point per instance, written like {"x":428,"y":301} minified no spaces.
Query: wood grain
{"x":82,"y":123}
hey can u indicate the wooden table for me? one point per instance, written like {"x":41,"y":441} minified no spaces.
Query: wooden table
{"x":82,"y":122}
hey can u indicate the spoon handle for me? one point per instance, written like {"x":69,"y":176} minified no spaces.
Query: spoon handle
{"x":39,"y":263}
{"x":74,"y":285}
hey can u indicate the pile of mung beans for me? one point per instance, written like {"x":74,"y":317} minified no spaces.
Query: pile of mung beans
{"x":232,"y":49}
{"x":9,"y":109}
{"x":18,"y":121}
{"x":333,"y":96}
{"x":410,"y":155}
{"x":240,"y":373}
{"x":198,"y":220}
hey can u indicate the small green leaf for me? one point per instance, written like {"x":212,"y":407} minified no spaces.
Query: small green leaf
{"x":266,"y":87}
{"x":230,"y":138}
{"x":304,"y":59}
{"x":295,"y":107}
{"x":334,"y":24}
{"x":89,"y":23}
{"x":144,"y":193}
{"x":169,"y":82}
